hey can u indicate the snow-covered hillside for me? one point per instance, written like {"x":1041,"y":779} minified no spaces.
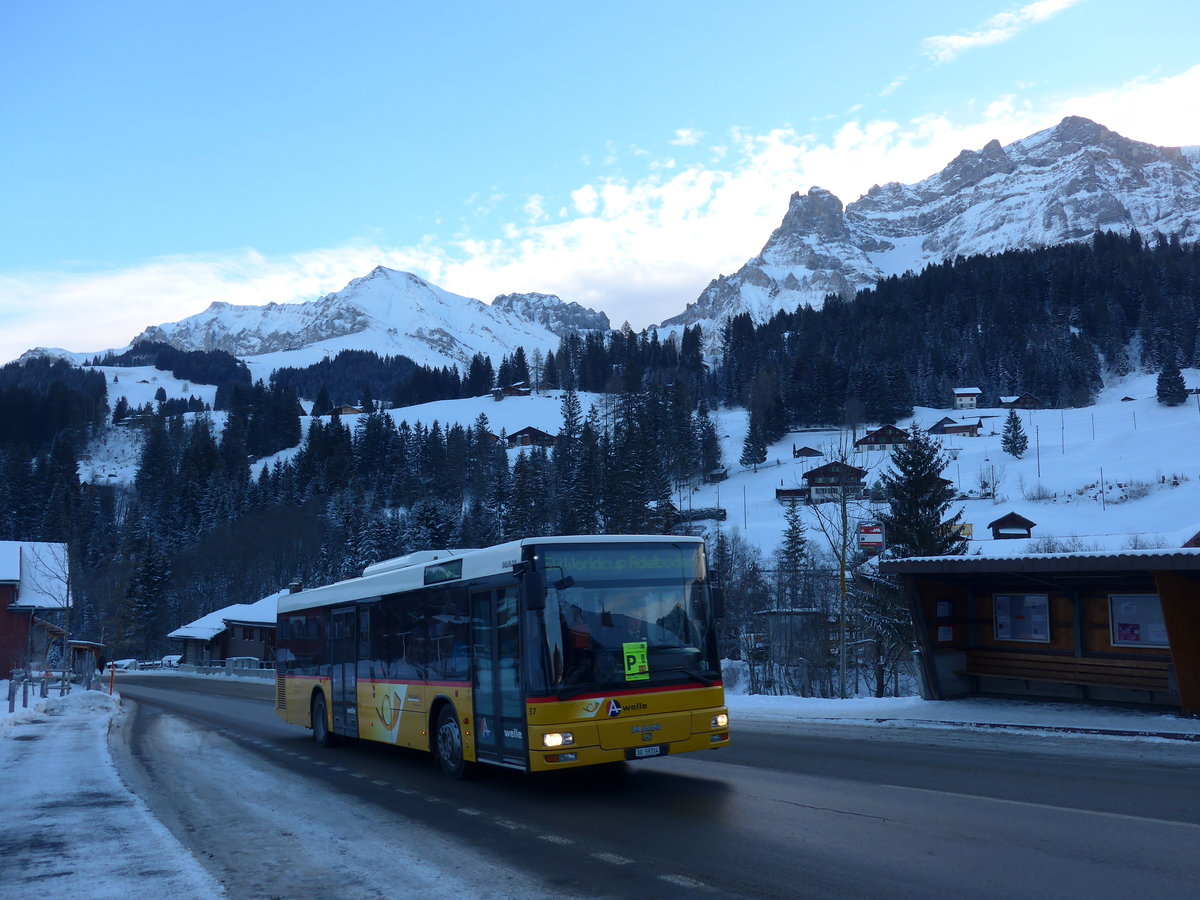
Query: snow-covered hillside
{"x":1149,"y":496}
{"x":1054,"y":187}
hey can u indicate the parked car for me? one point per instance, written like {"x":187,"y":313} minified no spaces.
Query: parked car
{"x":125,"y":665}
{"x":242,"y":662}
{"x":172,"y":662}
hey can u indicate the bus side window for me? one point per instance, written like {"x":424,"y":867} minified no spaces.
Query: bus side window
{"x":367,"y":666}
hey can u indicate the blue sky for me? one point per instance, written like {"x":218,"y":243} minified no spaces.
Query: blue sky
{"x":159,"y":156}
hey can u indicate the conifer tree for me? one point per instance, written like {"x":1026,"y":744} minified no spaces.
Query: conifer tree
{"x":918,"y":498}
{"x":754,"y":447}
{"x":1171,"y":389}
{"x":791,"y":558}
{"x":1014,"y":441}
{"x":323,"y":405}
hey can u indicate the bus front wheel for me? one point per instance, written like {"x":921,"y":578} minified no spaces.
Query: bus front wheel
{"x":448,"y":744}
{"x":320,"y":722}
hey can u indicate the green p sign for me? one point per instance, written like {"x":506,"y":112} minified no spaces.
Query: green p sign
{"x":637,"y":666}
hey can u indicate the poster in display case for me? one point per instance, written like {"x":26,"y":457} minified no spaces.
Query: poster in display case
{"x":1136,"y":620}
{"x":1022,"y":617}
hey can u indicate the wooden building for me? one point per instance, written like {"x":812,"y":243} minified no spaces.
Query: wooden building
{"x":804,"y":452}
{"x":33,"y":590}
{"x":1105,"y":626}
{"x":1022,"y":401}
{"x":884,"y":438}
{"x":531,"y":437}
{"x":833,"y":481}
{"x":243,"y":630}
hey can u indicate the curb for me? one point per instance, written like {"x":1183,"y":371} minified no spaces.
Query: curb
{"x":1056,"y":729}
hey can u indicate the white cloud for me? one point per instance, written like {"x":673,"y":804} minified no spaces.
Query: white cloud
{"x":996,"y":30}
{"x":535,"y":209}
{"x":687,"y":137}
{"x":640,"y":249}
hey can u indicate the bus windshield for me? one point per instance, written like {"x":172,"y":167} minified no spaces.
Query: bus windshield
{"x":626,"y":616}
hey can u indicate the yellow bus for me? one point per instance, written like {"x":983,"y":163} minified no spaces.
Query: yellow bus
{"x":538,"y":654}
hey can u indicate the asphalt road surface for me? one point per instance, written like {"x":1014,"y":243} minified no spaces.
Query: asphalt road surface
{"x":788,"y":810}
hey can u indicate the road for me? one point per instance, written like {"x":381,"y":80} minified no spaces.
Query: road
{"x":789,"y":810}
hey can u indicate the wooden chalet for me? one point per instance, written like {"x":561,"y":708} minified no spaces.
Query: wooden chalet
{"x":833,"y":481}
{"x":885,"y":438}
{"x":963,"y":429}
{"x":805,"y":452}
{"x":1120,"y":626}
{"x":1011,"y":527}
{"x":791,"y":495}
{"x":520,"y":389}
{"x":531,"y":437}
{"x":967,"y":397}
{"x":1022,"y":401}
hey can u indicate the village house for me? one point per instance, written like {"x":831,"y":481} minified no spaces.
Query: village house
{"x":531,"y":437}
{"x":967,"y":397}
{"x":962,"y":429}
{"x":833,"y":481}
{"x":1021,"y":401}
{"x":33,"y":590}
{"x":243,"y":631}
{"x":887,"y":437}
{"x":804,"y":452}
{"x":519,"y":389}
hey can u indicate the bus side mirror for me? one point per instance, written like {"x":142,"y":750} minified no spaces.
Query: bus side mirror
{"x":534,"y":584}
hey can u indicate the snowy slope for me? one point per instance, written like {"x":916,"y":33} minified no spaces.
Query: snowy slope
{"x":1054,"y":187}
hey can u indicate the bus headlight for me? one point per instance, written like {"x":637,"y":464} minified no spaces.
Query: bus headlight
{"x":558,"y":739}
{"x":720,"y":720}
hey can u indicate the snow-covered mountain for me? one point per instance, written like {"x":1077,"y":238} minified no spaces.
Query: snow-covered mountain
{"x":1057,"y":186}
{"x":388,"y":312}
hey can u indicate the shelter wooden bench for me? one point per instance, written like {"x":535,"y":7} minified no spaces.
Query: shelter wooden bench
{"x":1139,"y":674}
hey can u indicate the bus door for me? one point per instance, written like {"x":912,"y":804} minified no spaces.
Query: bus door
{"x":499,"y":704}
{"x":343,"y":672}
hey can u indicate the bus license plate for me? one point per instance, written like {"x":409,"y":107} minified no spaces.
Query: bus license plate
{"x":643,"y":752}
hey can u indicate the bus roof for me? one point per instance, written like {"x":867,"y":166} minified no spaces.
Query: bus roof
{"x":407,"y":573}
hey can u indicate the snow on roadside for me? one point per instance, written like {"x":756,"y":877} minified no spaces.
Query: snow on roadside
{"x":962,"y":713}
{"x":70,"y":821}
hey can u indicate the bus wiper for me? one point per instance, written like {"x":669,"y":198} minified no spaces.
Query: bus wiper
{"x":698,"y":676}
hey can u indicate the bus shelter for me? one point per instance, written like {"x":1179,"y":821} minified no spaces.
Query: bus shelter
{"x":1106,"y":626}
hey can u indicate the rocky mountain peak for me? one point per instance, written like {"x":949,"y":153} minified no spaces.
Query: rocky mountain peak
{"x":1059,"y":185}
{"x":553,"y":313}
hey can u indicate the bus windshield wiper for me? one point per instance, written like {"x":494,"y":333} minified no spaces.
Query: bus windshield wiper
{"x":698,"y":676}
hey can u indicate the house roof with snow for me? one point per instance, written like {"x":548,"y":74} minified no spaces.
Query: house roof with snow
{"x":262,"y":612}
{"x":967,"y":391}
{"x":39,"y":570}
{"x":1094,"y":561}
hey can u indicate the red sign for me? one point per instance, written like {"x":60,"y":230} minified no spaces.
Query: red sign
{"x":870,"y":534}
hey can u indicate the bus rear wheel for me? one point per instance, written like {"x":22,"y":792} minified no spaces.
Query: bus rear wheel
{"x":320,"y":722}
{"x":448,"y":743}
